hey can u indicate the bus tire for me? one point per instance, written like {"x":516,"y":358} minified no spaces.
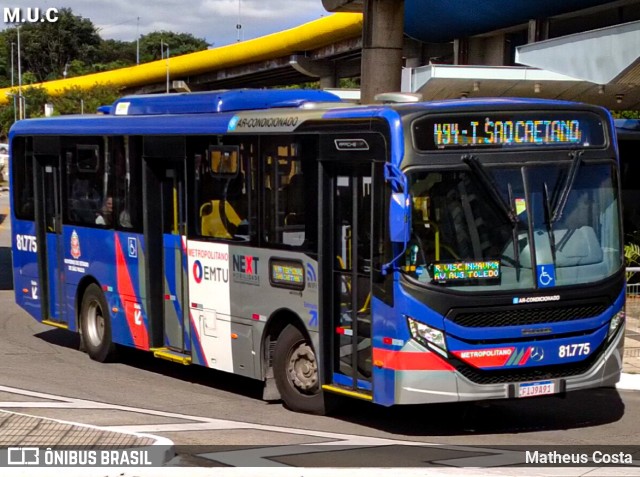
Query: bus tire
{"x":296,"y":373}
{"x":96,"y":324}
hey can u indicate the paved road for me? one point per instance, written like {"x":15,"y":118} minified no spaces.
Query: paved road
{"x":6,"y":280}
{"x":194,"y":406}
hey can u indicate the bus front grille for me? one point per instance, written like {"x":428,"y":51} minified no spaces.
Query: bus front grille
{"x":519,"y":375}
{"x":524,"y":316}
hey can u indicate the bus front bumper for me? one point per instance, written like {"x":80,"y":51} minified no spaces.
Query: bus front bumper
{"x":423,"y":387}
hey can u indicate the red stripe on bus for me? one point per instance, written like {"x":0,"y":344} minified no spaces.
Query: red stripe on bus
{"x":125,"y":287}
{"x":410,"y":360}
{"x":525,"y":357}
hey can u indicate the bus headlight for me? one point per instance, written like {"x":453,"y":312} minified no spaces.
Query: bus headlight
{"x":431,"y":338}
{"x":615,"y":323}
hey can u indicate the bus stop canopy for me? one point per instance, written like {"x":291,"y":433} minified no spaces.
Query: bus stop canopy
{"x":458,"y":81}
{"x":605,"y":56}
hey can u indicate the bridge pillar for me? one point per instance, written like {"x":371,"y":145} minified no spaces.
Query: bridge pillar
{"x":324,"y":70}
{"x":383,"y":32}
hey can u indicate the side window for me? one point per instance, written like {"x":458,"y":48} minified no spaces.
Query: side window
{"x":290,"y":191}
{"x":22,"y":171}
{"x":89,"y":184}
{"x":225,"y":191}
{"x":128,"y":183}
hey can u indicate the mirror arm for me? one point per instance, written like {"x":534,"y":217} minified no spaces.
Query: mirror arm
{"x":400,"y":196}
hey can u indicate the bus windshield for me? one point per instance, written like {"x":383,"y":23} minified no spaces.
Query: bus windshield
{"x":488,"y":227}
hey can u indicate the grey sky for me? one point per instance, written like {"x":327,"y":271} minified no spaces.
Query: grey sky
{"x":213,"y":20}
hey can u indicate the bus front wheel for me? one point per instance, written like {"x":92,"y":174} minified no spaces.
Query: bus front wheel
{"x":296,"y":373}
{"x":96,"y":324}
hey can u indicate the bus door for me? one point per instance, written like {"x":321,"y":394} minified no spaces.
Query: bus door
{"x":174,"y":256}
{"x":165,"y":218}
{"x":49,"y":232}
{"x":347,"y":247}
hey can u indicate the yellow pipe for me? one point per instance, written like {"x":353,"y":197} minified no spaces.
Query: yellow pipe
{"x":309,"y":36}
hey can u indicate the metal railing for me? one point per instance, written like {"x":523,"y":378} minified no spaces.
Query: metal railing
{"x":632,"y":308}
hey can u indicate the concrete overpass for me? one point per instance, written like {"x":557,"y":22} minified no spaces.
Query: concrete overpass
{"x":323,"y":49}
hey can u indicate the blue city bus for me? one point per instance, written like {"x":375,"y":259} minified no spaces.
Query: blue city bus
{"x":399,"y":253}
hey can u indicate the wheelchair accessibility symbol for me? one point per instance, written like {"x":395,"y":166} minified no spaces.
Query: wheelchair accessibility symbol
{"x":546,"y":276}
{"x":133,"y":247}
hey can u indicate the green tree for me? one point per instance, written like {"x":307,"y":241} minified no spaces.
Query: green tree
{"x":5,"y":61}
{"x":71,"y":101}
{"x":46,"y":47}
{"x":113,"y":54}
{"x":75,"y":100}
{"x":72,"y":47}
{"x":35,"y":98}
{"x":628,"y":114}
{"x":6,"y":120}
{"x":179,"y":44}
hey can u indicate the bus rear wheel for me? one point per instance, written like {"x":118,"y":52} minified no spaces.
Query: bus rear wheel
{"x":96,"y":324}
{"x":296,"y":373}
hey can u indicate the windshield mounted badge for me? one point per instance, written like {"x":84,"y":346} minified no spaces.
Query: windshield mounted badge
{"x":546,"y":276}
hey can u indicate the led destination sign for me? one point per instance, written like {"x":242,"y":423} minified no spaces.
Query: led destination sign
{"x":509,"y":130}
{"x":286,"y":273}
{"x":465,"y":271}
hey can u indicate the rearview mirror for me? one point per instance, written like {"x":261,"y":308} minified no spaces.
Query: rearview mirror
{"x":400,"y":217}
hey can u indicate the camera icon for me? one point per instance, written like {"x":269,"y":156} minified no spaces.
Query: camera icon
{"x":23,"y":456}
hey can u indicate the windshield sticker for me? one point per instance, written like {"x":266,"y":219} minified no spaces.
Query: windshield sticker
{"x":465,"y":271}
{"x":521,"y":206}
{"x":546,"y":276}
{"x":122,"y":109}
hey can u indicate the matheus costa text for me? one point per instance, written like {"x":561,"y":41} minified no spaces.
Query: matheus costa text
{"x":596,"y":457}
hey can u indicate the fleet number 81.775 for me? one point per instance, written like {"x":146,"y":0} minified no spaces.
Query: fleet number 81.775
{"x":569,"y":351}
{"x":26,"y":243}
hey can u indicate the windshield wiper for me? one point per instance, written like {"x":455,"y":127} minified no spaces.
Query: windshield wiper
{"x":515,"y":232}
{"x":558,"y":208}
{"x":490,"y":187}
{"x":508,"y":210}
{"x":549,"y":222}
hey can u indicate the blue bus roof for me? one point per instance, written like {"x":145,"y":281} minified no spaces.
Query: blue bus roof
{"x":218,"y":101}
{"x":628,"y":129}
{"x":96,"y":125}
{"x":628,"y":124}
{"x":211,"y":112}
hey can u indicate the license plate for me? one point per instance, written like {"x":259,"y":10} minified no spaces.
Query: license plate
{"x":539,"y":388}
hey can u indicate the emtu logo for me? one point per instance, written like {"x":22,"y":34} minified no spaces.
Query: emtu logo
{"x":30,"y":15}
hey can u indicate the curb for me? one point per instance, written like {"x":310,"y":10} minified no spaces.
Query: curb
{"x":629,"y":382}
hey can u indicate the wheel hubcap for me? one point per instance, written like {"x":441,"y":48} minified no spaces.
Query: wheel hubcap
{"x":303,"y":369}
{"x":95,"y":323}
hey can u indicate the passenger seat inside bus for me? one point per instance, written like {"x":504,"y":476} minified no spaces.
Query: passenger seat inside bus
{"x":295,"y":201}
{"x":84,"y":202}
{"x":218,"y":217}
